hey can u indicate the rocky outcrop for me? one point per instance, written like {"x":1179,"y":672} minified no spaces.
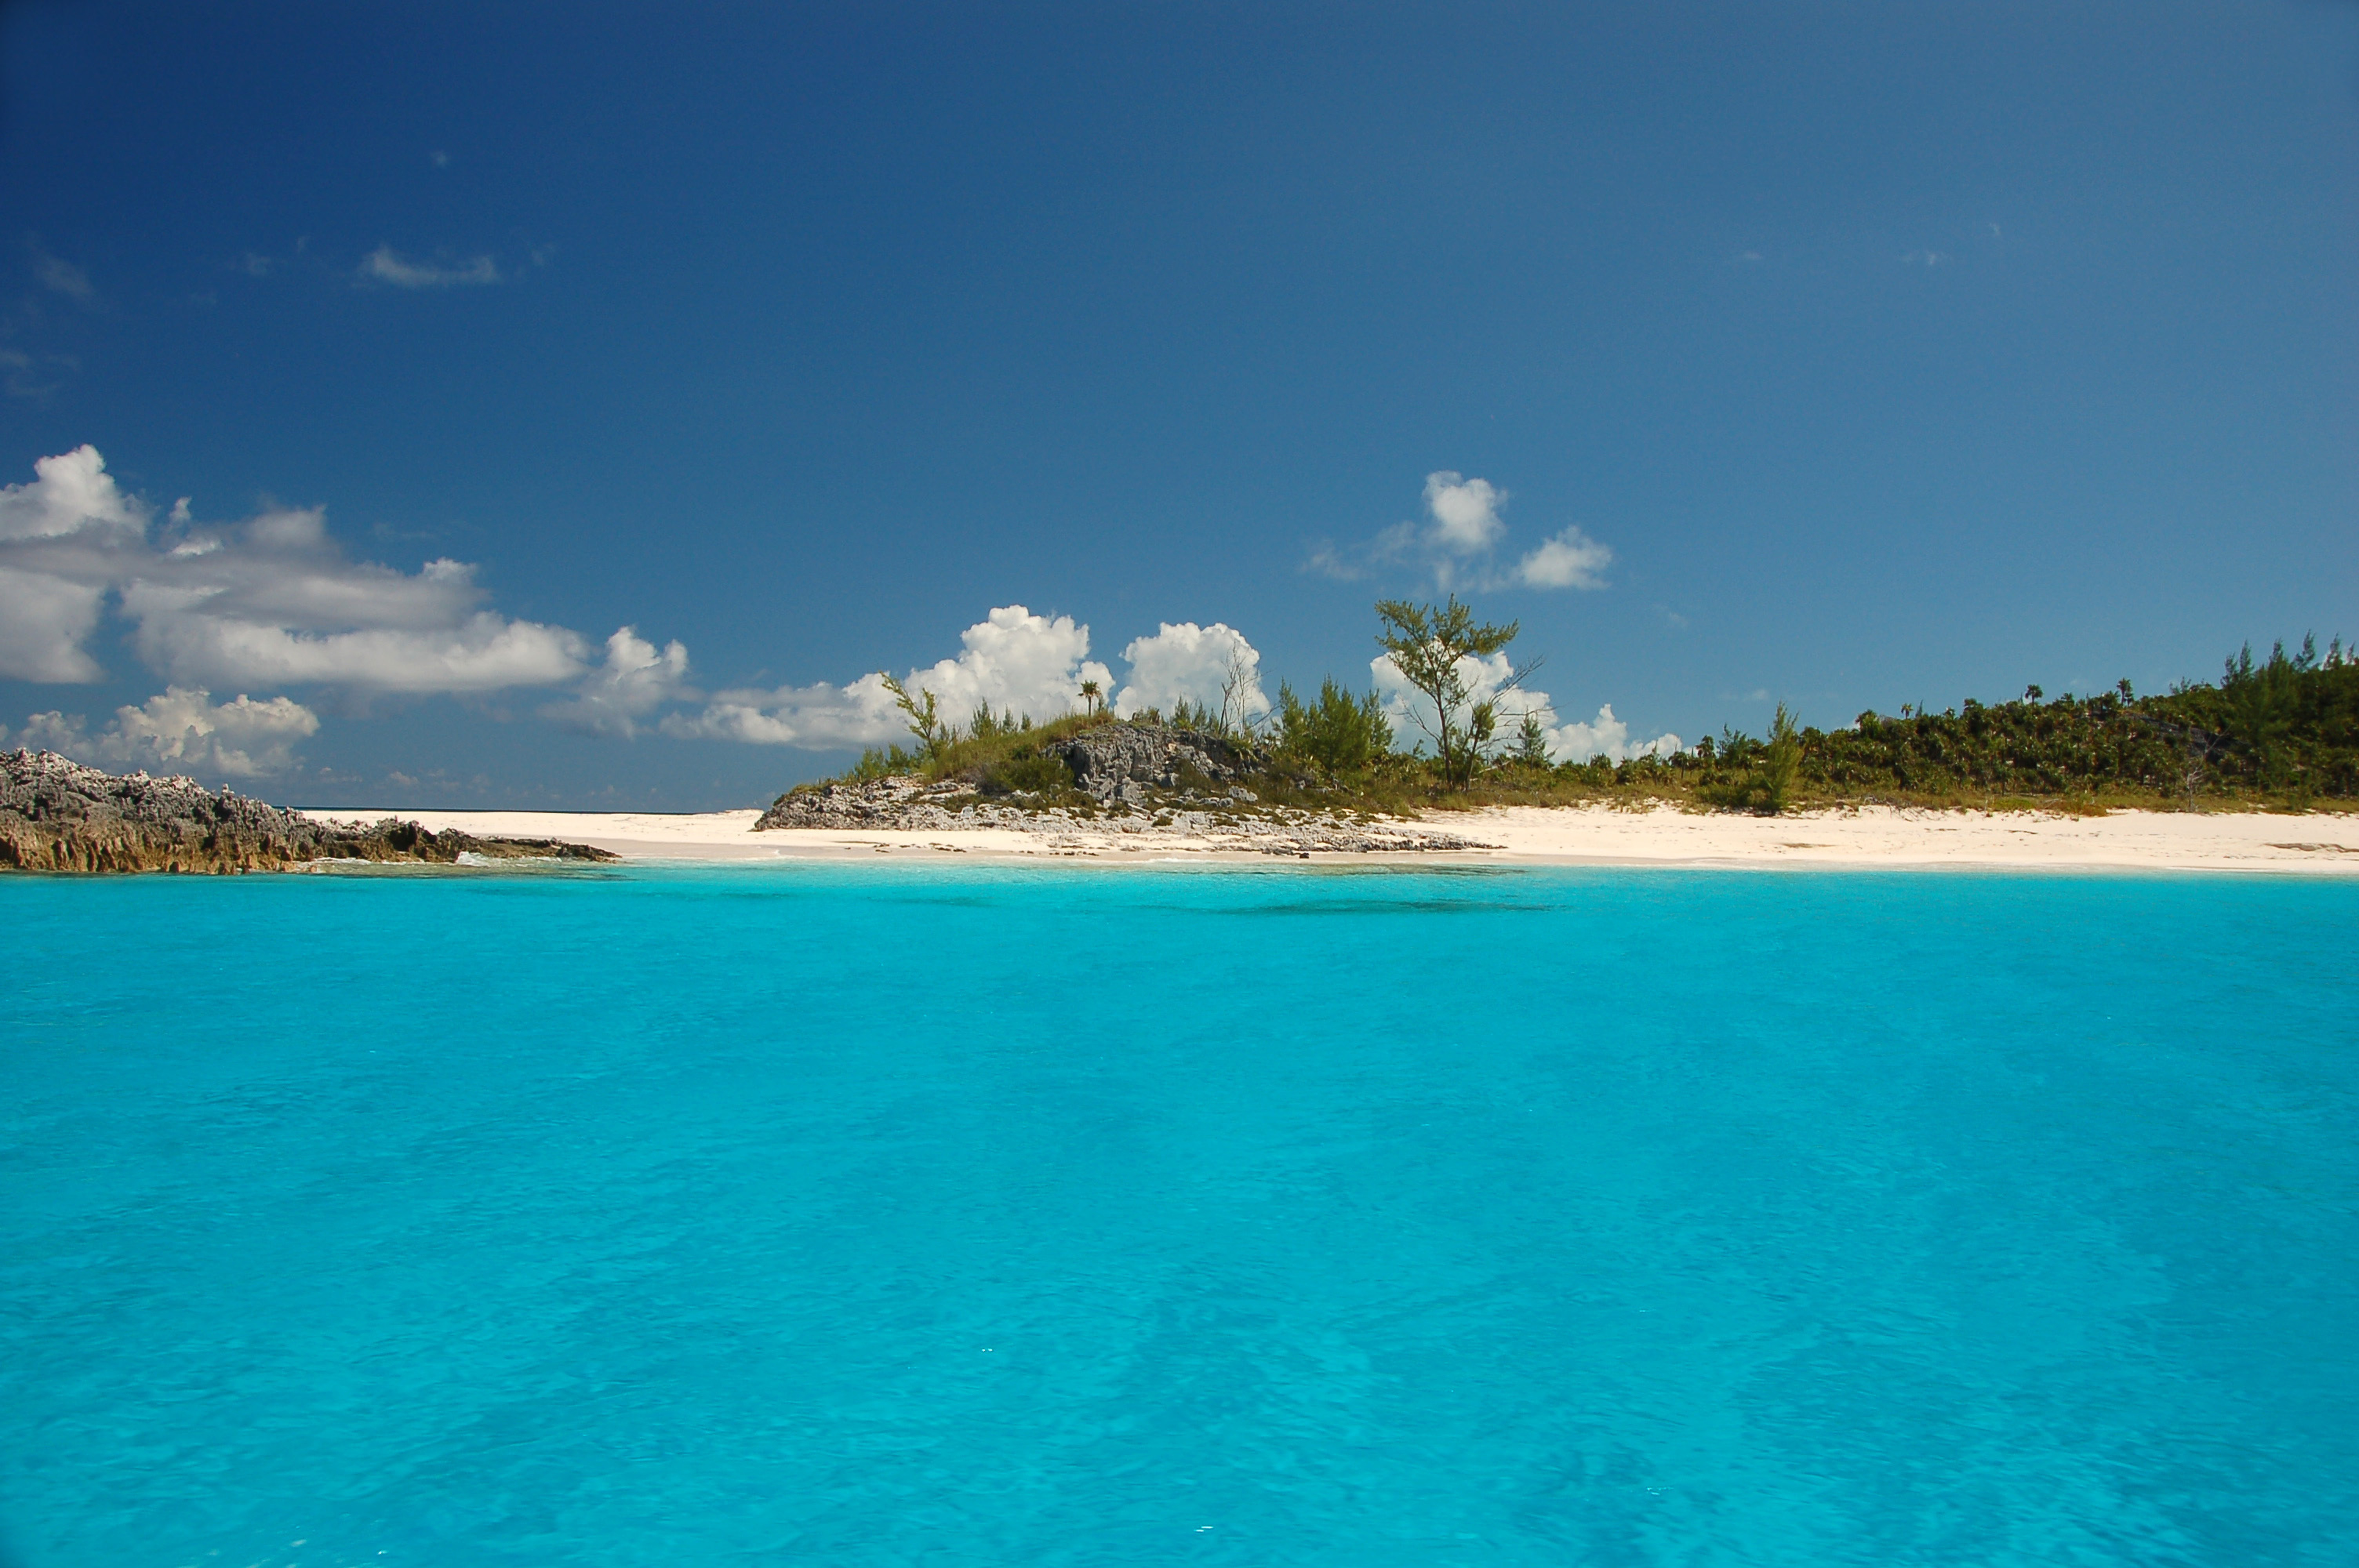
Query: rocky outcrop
{"x":58,"y":816}
{"x":1141,"y":787}
{"x":904,"y":806}
{"x":887,"y":803}
{"x":1137,"y":764}
{"x":1131,"y":762}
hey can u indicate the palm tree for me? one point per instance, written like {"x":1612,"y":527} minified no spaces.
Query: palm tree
{"x":1090,"y":690}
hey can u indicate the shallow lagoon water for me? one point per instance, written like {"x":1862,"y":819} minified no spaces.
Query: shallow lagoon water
{"x":896,"y":1215}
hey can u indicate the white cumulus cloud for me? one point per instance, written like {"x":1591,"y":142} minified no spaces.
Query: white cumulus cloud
{"x":1604,"y":736}
{"x":1012,"y":661}
{"x":1570,"y":560}
{"x":184,"y":730}
{"x":1465,"y":511}
{"x":273,"y":601}
{"x":1016,"y":662}
{"x":1485,"y":679}
{"x":1194,"y":663}
{"x":70,"y":493}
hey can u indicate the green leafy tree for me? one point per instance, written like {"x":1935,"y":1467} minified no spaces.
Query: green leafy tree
{"x":2263,"y":700}
{"x":1432,"y":644}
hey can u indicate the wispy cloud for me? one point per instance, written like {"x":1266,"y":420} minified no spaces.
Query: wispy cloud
{"x":385,"y":265}
{"x":34,"y":377}
{"x":61,"y":275}
{"x":1350,"y":563}
{"x":33,"y":317}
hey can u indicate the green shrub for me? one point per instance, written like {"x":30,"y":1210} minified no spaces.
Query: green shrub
{"x":1781,"y":761}
{"x":1193,"y":780}
{"x":1767,"y":786}
{"x":1340,"y":734}
{"x":1028,"y":773}
{"x":880,"y":764}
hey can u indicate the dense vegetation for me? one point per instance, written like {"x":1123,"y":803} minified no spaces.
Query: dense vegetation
{"x":2281,"y":732}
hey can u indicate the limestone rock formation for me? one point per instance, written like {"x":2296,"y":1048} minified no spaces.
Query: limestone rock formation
{"x":1125,"y":762}
{"x":885,"y":803}
{"x":57,"y":815}
{"x":1139,"y":785}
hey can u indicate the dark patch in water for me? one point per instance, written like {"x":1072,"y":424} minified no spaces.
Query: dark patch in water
{"x":1394,"y":906}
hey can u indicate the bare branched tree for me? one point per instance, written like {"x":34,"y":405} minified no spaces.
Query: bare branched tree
{"x":1237,"y":690}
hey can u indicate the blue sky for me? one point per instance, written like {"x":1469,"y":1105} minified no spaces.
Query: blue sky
{"x":1852,"y":355}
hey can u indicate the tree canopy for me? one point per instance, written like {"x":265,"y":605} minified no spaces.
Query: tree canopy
{"x":1431,"y":645}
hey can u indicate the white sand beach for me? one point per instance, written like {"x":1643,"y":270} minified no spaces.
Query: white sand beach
{"x":2318,"y":843}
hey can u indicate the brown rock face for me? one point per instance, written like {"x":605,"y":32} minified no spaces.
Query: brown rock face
{"x":58,"y":816}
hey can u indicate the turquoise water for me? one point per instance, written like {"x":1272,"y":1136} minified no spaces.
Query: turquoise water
{"x":878,"y":1216}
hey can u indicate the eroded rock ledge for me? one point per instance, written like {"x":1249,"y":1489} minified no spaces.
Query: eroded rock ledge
{"x":1138,"y":785}
{"x":58,"y":816}
{"x":1134,"y":762}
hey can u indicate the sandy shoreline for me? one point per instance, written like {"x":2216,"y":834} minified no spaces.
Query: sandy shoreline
{"x":2322,"y":843}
